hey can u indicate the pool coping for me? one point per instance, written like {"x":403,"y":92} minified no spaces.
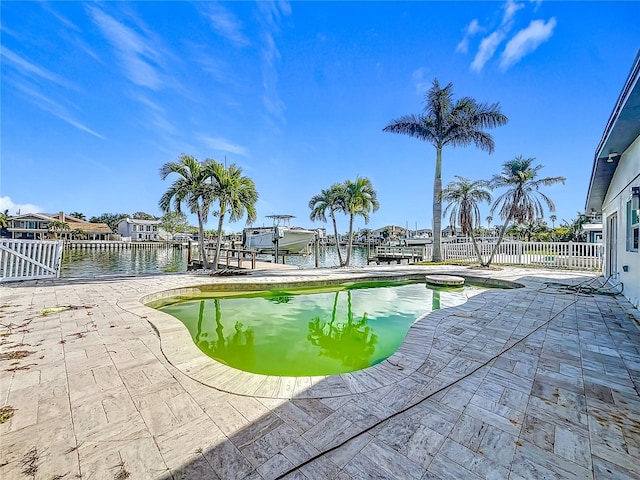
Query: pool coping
{"x":181,"y":351}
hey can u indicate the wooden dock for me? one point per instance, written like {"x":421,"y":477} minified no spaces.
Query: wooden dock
{"x":388,"y":255}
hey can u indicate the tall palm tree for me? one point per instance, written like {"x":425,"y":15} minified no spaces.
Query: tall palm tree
{"x":489,"y":219}
{"x":78,"y":215}
{"x":521,"y":202}
{"x":359,"y":200}
{"x":235,"y":193}
{"x":56,"y":227}
{"x":463,"y":196}
{"x":331,"y":199}
{"x":193,"y":187}
{"x":448,"y":123}
{"x":553,"y":219}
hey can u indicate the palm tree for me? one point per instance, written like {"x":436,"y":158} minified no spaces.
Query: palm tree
{"x":489,"y":219}
{"x":235,"y":193}
{"x":360,"y":199}
{"x":193,"y":187}
{"x":463,"y":196}
{"x":520,"y":203}
{"x":445,"y":122}
{"x":553,"y":219}
{"x":330,"y":199}
{"x":56,"y":227}
{"x":78,"y":215}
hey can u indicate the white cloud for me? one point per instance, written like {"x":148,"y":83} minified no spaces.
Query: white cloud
{"x":421,"y":82}
{"x":473,"y":28}
{"x":222,"y":145}
{"x":54,"y":108}
{"x":32,"y":70}
{"x":7,"y":204}
{"x":526,"y":41}
{"x":225,"y":24}
{"x":488,"y":46}
{"x":139,"y":58}
{"x":510,"y":9}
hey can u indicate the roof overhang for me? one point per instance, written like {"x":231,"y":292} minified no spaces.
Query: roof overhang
{"x":622,"y":129}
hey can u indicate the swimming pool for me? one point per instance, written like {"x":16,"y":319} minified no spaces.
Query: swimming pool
{"x":309,"y":331}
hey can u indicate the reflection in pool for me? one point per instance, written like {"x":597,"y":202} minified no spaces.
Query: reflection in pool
{"x":311,"y":331}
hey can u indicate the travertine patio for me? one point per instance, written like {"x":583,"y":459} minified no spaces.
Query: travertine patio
{"x":536,"y":382}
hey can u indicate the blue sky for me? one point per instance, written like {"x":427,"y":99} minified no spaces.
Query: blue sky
{"x":97,"y":96}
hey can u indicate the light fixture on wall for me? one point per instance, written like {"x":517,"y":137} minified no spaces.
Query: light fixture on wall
{"x":612,"y":157}
{"x":635,"y":198}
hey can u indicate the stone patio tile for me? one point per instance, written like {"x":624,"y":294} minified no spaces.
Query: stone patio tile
{"x":194,"y":467}
{"x":188,"y":441}
{"x":605,"y":470}
{"x":376,"y":459}
{"x":227,"y":461}
{"x":443,"y":468}
{"x":534,"y":463}
{"x":266,"y":446}
{"x":573,"y":447}
{"x":477,"y":463}
{"x":538,"y":432}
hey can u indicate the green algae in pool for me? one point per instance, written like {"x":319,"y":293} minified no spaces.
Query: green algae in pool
{"x":310,"y":331}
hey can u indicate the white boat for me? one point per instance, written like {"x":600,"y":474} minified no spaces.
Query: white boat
{"x":281,"y":236}
{"x":416,"y":241}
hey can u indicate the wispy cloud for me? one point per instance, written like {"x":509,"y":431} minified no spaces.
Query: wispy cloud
{"x":224,"y":23}
{"x":29,"y":69}
{"x":7,"y":204}
{"x":526,"y":41}
{"x":487,"y":48}
{"x":54,"y":108}
{"x":471,"y":29}
{"x":139,"y":58}
{"x":222,"y":145}
{"x":271,"y":14}
{"x":420,"y":81}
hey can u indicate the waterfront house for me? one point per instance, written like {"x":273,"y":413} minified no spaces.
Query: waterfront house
{"x":614,"y":190}
{"x":37,"y":226}
{"x":139,"y":230}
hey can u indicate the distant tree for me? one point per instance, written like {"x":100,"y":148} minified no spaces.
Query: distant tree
{"x":4,"y":223}
{"x":174,"y":222}
{"x":553,"y":219}
{"x":236,"y":195}
{"x":360,"y":199}
{"x":574,"y":226}
{"x":78,"y":234}
{"x":331,"y":200}
{"x":521,"y":202}
{"x":193,"y":187}
{"x":78,"y":215}
{"x":111,"y":219}
{"x":448,"y":123}
{"x":143,"y":216}
{"x":56,"y":227}
{"x":463,"y":196}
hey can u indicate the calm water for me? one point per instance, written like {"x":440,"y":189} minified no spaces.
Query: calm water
{"x":319,"y":331}
{"x":89,"y":263}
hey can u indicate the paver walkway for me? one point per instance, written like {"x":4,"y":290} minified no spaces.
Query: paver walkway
{"x":537,"y":382}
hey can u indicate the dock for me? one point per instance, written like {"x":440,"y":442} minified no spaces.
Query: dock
{"x":388,"y":255}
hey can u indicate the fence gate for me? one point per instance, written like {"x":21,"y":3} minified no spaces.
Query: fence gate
{"x":29,"y":259}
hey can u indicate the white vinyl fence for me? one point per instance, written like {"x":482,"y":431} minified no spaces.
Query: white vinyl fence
{"x":29,"y":259}
{"x":587,"y":256}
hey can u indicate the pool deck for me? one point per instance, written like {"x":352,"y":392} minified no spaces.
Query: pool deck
{"x":530,"y":383}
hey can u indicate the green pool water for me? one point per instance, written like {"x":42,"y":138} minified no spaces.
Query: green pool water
{"x":311,"y":331}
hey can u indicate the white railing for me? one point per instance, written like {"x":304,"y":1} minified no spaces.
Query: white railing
{"x":586,"y":256}
{"x":29,"y":259}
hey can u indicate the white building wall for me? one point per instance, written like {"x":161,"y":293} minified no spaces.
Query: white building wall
{"x":627,"y":175}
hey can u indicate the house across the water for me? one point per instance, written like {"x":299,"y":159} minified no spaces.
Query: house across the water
{"x":41,"y":226}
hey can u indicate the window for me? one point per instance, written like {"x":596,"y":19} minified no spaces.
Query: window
{"x":633,"y":228}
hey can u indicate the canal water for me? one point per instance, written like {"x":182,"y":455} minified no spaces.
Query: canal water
{"x":91,"y":262}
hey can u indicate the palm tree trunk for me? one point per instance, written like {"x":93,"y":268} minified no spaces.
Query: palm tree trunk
{"x":335,"y":231}
{"x":203,"y":253}
{"x":350,"y":241}
{"x":437,"y":208}
{"x":219,"y":242}
{"x":475,"y":246}
{"x":495,"y":247}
